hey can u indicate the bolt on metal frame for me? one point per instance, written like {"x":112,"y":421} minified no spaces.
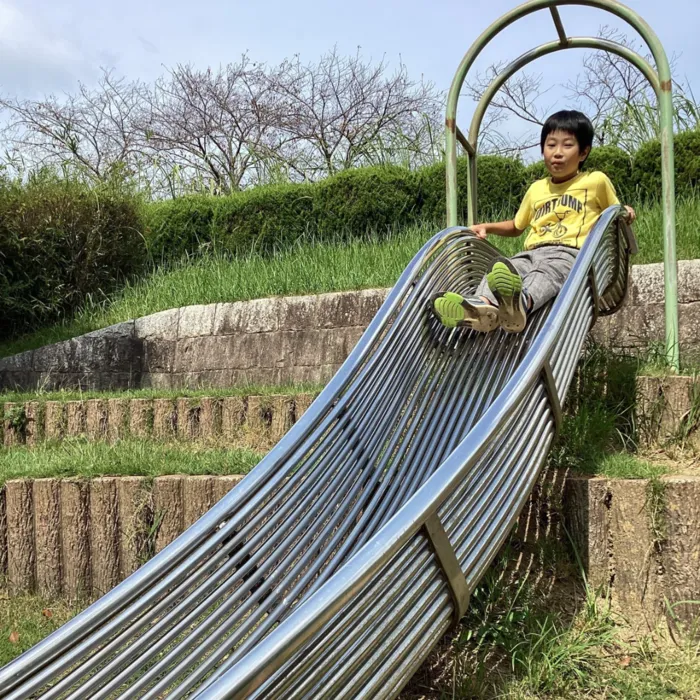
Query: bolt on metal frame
{"x":660,"y":80}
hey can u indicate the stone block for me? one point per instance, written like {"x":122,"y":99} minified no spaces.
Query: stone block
{"x":688,"y":281}
{"x":299,"y":313}
{"x":22,"y":362}
{"x":260,"y":315}
{"x":90,"y":354}
{"x":335,"y":345}
{"x":228,"y":318}
{"x":124,"y":355}
{"x":199,"y":354}
{"x":370,"y":303}
{"x":308,"y":348}
{"x":338,"y":310}
{"x":58,"y":357}
{"x":157,"y":380}
{"x":125,"y":329}
{"x":646,"y":284}
{"x":304,"y":375}
{"x":196,"y":320}
{"x":161,"y":326}
{"x":158,"y":355}
{"x":274,"y":349}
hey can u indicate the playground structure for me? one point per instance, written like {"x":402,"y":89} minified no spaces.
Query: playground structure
{"x":343,"y":557}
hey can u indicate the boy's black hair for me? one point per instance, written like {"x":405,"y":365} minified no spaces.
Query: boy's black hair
{"x":576,"y":123}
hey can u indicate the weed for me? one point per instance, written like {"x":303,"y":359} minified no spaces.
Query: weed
{"x":655,"y":505}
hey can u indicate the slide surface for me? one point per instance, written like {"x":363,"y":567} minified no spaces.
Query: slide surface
{"x":336,"y":565}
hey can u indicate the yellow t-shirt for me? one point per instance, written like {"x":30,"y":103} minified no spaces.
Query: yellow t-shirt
{"x":564,"y":213}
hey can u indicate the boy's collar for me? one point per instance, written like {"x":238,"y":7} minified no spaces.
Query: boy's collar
{"x":564,"y":182}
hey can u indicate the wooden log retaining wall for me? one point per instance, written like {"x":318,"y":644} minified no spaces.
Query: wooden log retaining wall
{"x":77,"y":538}
{"x":257,"y":422}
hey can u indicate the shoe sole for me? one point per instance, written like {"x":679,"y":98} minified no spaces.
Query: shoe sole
{"x":506,"y":285}
{"x":453,"y":310}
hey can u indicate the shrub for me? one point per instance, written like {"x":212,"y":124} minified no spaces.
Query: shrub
{"x":501,"y":183}
{"x":646,"y":169}
{"x":375,"y":199}
{"x":617,"y":165}
{"x":177,"y":227}
{"x":263,"y":218}
{"x":62,"y":241}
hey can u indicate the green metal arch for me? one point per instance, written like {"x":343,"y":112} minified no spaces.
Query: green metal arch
{"x":660,"y":80}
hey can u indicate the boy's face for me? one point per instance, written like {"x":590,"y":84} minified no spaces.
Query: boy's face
{"x":562,"y":155}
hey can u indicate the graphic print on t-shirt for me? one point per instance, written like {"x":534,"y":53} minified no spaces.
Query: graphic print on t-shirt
{"x":551,"y":214}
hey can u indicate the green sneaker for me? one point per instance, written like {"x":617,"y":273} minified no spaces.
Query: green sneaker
{"x":454,"y":310}
{"x":507,"y":286}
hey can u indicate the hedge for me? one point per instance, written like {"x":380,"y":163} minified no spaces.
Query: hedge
{"x":60,"y":242}
{"x":646,"y":171}
{"x":353,"y":203}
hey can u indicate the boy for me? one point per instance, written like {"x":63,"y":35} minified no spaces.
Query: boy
{"x":561,"y":210}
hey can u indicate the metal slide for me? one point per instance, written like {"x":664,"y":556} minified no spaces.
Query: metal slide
{"x":340,"y":560}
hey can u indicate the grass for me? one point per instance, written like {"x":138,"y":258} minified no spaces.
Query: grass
{"x":375,"y":261}
{"x":213,"y":392}
{"x":306,"y":269}
{"x":26,"y":620}
{"x":540,"y":633}
{"x":79,"y":458}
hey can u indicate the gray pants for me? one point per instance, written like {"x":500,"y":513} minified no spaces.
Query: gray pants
{"x":544,"y":271}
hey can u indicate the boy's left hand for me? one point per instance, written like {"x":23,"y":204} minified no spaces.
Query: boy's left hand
{"x":631,"y":214}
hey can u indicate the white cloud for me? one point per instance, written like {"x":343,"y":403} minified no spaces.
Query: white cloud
{"x":33,"y":59}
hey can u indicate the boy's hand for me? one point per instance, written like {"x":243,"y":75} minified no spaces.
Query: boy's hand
{"x":631,"y":214}
{"x":479,"y":230}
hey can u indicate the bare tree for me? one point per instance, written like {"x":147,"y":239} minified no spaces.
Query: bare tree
{"x":95,"y":129}
{"x":520,"y":98}
{"x":211,"y":128}
{"x":612,"y":91}
{"x":244,"y":123}
{"x":343,"y":112}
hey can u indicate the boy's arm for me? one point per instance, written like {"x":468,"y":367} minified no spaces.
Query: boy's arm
{"x":500,"y":228}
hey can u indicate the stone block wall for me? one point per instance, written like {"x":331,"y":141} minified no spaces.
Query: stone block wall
{"x":285,"y":340}
{"x":288,"y":340}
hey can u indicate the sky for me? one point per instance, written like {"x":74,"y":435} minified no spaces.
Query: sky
{"x":48,"y":46}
